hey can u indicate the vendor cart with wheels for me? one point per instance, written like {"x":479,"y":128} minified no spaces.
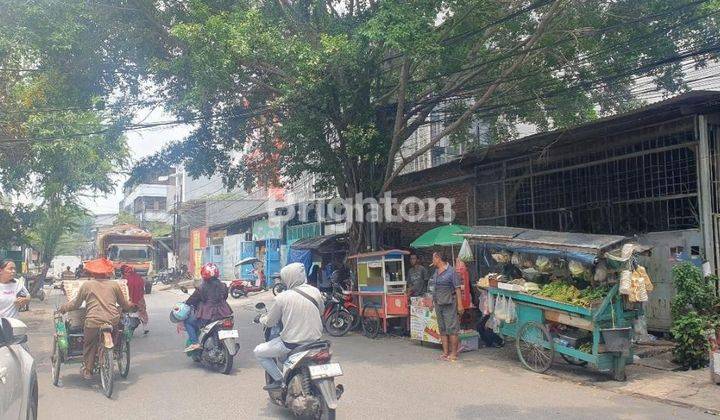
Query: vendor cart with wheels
{"x":536,"y":345}
{"x":589,"y":320}
{"x":382,"y":288}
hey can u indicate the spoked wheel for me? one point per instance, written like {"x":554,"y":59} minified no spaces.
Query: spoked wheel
{"x":123,"y":358}
{"x":237,"y":293}
{"x":356,"y":318}
{"x":371,"y":321}
{"x":338,"y":323}
{"x":55,"y":359}
{"x":573,"y":361}
{"x":107,"y":374}
{"x":278,"y":288}
{"x":535,"y":347}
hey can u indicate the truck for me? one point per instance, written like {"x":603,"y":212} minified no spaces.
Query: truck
{"x":128,"y":245}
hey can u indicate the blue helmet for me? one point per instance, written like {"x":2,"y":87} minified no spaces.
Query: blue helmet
{"x":180,"y":312}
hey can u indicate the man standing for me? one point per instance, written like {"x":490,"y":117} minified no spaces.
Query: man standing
{"x":447,"y":300}
{"x":417,"y":277}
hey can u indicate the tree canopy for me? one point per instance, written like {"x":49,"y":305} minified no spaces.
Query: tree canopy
{"x":276,"y":89}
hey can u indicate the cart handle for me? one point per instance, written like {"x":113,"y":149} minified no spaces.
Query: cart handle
{"x":606,"y":302}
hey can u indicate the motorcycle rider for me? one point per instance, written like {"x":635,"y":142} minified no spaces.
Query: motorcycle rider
{"x":298,"y":308}
{"x":102,"y":298}
{"x":210,"y":304}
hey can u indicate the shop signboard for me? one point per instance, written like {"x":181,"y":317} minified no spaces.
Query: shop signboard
{"x":263,"y":230}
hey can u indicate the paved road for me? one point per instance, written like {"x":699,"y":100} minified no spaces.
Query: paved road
{"x":384,"y":378}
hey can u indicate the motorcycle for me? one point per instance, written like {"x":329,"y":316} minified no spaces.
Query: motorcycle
{"x":341,"y":313}
{"x":218,"y":341}
{"x":240,"y":288}
{"x":309,"y":388}
{"x":218,"y":345}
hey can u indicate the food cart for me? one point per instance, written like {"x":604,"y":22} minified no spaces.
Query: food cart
{"x":590,"y":328}
{"x":382,"y":288}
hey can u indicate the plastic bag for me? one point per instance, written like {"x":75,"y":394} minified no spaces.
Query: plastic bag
{"x":576,"y":269}
{"x":601,"y":273}
{"x":543,"y":264}
{"x":502,"y":257}
{"x":510,"y":312}
{"x":500,"y":309}
{"x":465,"y":253}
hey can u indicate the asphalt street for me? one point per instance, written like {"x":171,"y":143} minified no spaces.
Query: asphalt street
{"x":384,"y":378}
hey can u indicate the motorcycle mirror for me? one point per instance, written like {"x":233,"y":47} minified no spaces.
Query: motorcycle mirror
{"x":183,"y":289}
{"x":259,"y":305}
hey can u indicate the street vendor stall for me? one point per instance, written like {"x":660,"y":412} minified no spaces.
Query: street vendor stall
{"x":382,"y":288}
{"x":554,"y":292}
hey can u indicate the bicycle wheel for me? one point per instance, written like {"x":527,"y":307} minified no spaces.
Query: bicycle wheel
{"x":123,"y":358}
{"x":107,"y":374}
{"x":371,"y":321}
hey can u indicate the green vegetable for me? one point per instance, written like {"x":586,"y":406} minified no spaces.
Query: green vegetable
{"x":565,"y":292}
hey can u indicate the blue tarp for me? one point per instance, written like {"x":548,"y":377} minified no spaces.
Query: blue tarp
{"x":303,"y":256}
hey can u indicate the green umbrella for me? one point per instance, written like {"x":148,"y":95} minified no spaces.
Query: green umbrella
{"x":441,"y":236}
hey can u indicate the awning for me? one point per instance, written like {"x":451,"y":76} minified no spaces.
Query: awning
{"x":325,"y":243}
{"x":544,"y":239}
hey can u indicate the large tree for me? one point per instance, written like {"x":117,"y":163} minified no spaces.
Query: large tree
{"x":58,"y":141}
{"x":336,"y":88}
{"x":344,"y":84}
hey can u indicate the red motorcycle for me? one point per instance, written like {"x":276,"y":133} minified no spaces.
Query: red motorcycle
{"x":341,"y":313}
{"x":240,"y":288}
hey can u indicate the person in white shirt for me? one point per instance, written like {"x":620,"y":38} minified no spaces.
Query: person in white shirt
{"x":298,"y":308}
{"x":13,"y":294}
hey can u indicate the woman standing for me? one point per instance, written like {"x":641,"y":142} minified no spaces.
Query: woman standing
{"x":136,"y":290}
{"x":13,"y":294}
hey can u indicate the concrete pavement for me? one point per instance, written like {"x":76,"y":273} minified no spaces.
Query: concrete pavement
{"x":384,"y":378}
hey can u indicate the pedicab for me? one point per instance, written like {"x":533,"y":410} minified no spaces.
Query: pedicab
{"x":113,"y":346}
{"x":589,"y":325}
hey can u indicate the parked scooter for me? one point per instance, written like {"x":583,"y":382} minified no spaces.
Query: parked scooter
{"x":240,"y":288}
{"x":341,"y":313}
{"x":309,"y":388}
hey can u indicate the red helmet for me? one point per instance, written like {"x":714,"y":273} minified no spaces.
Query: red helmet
{"x":209,"y":270}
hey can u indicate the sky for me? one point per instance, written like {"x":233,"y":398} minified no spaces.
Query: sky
{"x":142,"y":143}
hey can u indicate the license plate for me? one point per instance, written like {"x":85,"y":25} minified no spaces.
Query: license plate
{"x":223,"y":334}
{"x":325,"y":371}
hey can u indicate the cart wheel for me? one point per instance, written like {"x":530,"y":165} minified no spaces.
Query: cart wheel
{"x":123,"y":358}
{"x":370,"y":321}
{"x":535,"y":347}
{"x":573,"y":361}
{"x":107,"y":374}
{"x":55,"y":359}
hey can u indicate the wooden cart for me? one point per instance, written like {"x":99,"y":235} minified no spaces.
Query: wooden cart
{"x":536,"y":346}
{"x":607,"y":324}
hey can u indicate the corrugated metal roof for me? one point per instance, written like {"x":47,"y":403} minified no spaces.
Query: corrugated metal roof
{"x":546,"y":239}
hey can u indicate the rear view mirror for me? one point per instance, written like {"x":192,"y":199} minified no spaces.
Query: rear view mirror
{"x":259,"y":305}
{"x":12,"y":331}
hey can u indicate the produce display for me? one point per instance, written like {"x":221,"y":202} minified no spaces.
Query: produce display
{"x":562,"y":291}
